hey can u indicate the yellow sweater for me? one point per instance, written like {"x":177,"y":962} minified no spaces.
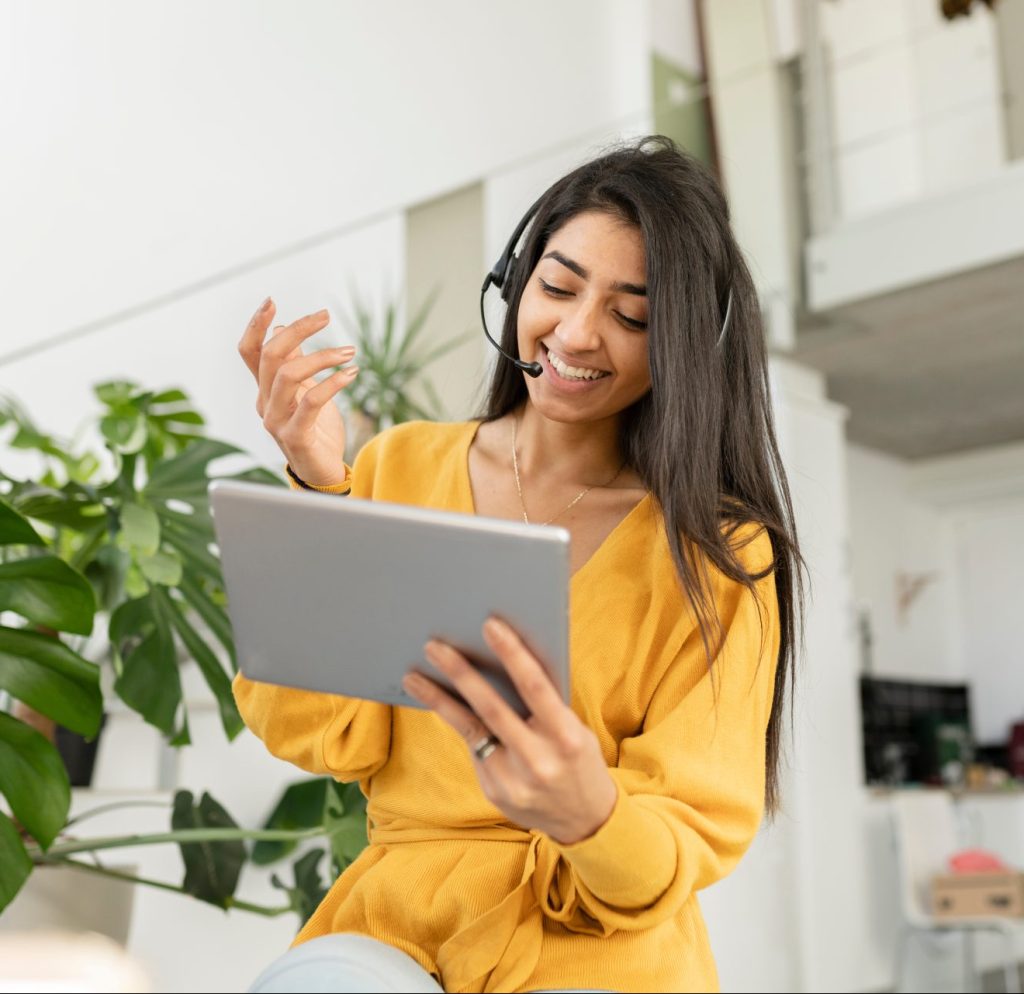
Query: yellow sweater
{"x":480,"y":902}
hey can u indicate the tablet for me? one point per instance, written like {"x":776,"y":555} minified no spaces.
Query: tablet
{"x":340,"y":594}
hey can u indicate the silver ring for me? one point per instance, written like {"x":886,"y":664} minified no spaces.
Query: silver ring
{"x":485,"y":747}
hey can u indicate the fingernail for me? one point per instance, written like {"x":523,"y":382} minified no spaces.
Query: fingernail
{"x":495,"y":628}
{"x":323,"y":314}
{"x":347,"y":350}
{"x":264,"y":305}
{"x":352,"y":370}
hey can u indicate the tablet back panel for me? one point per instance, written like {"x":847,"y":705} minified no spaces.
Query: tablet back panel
{"x":339,"y":594}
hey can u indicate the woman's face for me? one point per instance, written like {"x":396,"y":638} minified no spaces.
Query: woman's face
{"x":583,"y":317}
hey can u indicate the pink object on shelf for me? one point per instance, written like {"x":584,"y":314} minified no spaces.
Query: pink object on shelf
{"x":976,"y":861}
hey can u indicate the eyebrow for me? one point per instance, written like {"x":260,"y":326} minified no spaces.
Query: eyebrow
{"x":634,"y":288}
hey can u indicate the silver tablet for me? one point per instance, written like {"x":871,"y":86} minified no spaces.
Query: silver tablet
{"x":340,"y":594}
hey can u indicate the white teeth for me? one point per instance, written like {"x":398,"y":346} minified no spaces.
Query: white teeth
{"x":573,"y":372}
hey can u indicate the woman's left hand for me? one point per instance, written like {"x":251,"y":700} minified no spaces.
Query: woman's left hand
{"x":547,"y":772}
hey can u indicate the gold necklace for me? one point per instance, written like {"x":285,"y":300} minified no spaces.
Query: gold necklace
{"x":572,"y":503}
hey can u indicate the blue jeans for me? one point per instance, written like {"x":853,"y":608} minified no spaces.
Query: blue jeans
{"x":344,"y":963}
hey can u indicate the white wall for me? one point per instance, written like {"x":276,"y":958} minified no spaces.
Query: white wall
{"x":916,"y":102}
{"x":159,"y":143}
{"x":895,"y":533}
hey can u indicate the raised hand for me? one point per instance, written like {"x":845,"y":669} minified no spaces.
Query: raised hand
{"x":296,"y":410}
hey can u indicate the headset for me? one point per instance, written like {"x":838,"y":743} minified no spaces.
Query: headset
{"x":500,"y":276}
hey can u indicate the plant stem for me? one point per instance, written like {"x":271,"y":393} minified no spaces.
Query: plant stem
{"x":256,"y":909}
{"x":184,"y":835}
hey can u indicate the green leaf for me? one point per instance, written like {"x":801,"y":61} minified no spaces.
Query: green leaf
{"x":300,"y":806}
{"x":212,"y":869}
{"x":33,"y":779}
{"x":193,"y":551}
{"x":181,"y":473}
{"x":115,"y":392}
{"x":308,"y":889}
{"x":140,"y":527}
{"x":169,"y":397}
{"x":345,"y":821}
{"x":46,"y":591}
{"x":217,"y":680}
{"x":149,"y":680}
{"x":216,"y":618}
{"x":15,"y":864}
{"x":46,"y":675}
{"x":162,"y":567}
{"x":73,"y":506}
{"x":180,"y":417}
{"x":126,"y":433}
{"x":15,"y":529}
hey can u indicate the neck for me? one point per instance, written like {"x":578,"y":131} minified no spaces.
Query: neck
{"x":577,"y":454}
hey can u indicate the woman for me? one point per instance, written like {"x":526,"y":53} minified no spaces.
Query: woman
{"x":567,"y":850}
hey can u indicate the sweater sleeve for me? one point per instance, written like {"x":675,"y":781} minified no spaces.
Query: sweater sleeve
{"x":348,"y":739}
{"x":690,"y":785}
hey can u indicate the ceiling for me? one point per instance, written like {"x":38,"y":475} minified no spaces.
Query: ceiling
{"x":930,"y":370}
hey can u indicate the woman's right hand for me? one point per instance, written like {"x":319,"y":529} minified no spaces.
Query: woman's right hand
{"x":296,"y":410}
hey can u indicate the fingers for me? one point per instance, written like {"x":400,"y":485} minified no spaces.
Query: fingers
{"x":282,"y":346}
{"x":487,"y":704}
{"x":463,"y":721}
{"x":530,"y":678}
{"x":255,"y":331}
{"x":294,"y":380}
{"x":313,"y":400}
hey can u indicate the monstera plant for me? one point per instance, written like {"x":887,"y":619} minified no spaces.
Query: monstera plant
{"x":129,"y":555}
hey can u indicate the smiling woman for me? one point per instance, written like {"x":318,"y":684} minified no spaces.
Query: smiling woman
{"x":567,"y":850}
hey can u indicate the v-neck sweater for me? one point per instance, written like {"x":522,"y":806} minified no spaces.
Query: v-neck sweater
{"x":479,"y":901}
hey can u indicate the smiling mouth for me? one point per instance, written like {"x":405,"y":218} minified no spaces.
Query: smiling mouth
{"x":579,"y":374}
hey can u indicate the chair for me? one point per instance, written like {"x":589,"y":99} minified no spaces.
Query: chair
{"x":925,"y":828}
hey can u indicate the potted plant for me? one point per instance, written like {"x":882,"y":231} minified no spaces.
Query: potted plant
{"x":130,"y":556}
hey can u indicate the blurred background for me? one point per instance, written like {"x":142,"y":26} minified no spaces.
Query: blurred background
{"x":166,"y":166}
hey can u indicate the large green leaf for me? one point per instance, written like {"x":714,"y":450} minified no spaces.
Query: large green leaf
{"x":215,"y":617}
{"x":211,"y":868}
{"x":14,"y":529}
{"x":300,"y":806}
{"x":179,"y":475}
{"x":15,"y":865}
{"x":216,"y":678}
{"x":46,"y":675}
{"x":192,"y":546}
{"x":149,"y":680}
{"x":33,"y":779}
{"x":46,"y":591}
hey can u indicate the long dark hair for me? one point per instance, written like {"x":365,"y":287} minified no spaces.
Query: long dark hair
{"x":702,"y":439}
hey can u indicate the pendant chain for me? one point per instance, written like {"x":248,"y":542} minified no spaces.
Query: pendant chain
{"x":572,"y":503}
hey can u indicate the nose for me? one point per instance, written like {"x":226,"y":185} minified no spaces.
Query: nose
{"x":578,"y":332}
